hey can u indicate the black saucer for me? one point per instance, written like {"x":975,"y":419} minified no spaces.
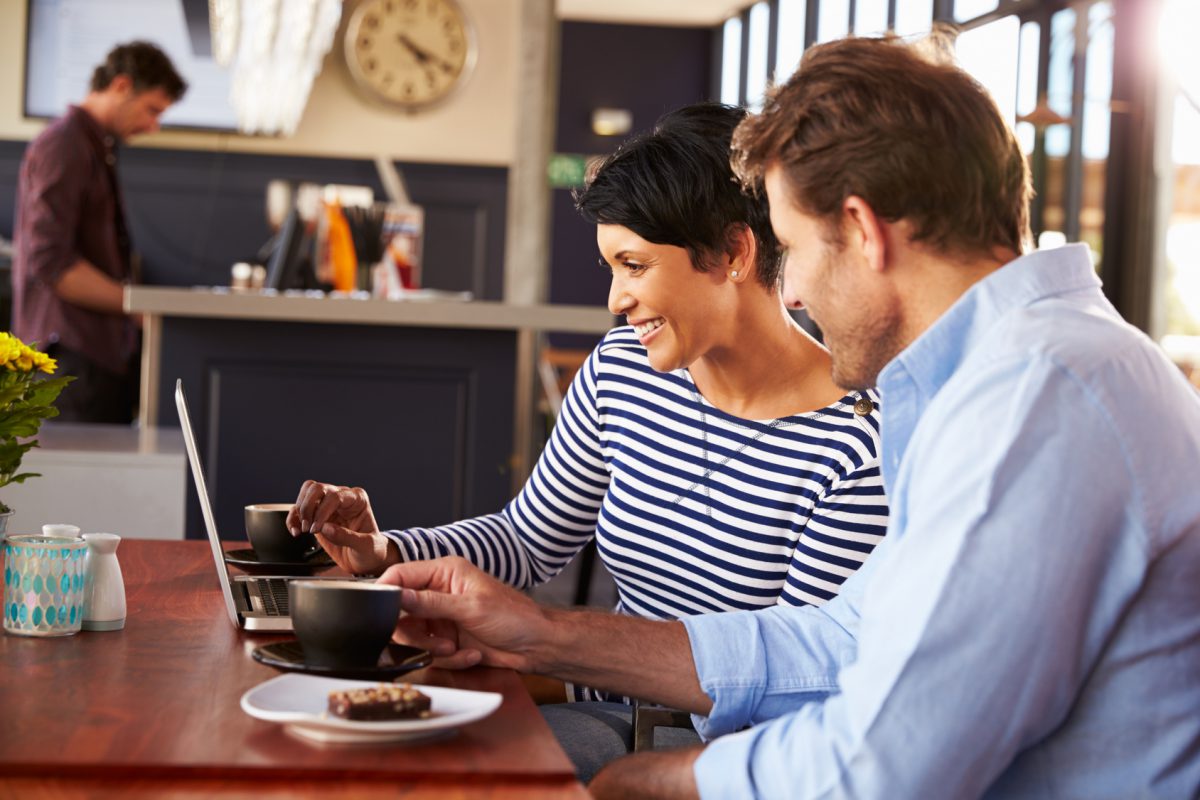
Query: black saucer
{"x":396,"y":659}
{"x":246,"y":560}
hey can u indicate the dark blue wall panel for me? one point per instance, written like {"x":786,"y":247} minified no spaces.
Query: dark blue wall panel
{"x":649,"y":70}
{"x":421,"y":418}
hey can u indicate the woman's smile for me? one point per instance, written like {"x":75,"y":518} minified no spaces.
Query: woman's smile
{"x":646,"y":329}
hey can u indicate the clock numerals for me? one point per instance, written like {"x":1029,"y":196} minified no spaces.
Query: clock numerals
{"x":408,"y":52}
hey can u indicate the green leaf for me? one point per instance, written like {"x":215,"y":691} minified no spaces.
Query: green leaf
{"x":10,"y":393}
{"x":25,"y":400}
{"x":45,"y":392}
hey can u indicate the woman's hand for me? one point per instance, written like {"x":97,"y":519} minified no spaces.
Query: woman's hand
{"x":342,"y":519}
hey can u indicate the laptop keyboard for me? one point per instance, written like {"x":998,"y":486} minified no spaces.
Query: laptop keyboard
{"x":274,"y":596}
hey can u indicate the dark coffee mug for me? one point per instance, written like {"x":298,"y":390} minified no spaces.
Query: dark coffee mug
{"x":266,"y":527}
{"x":343,"y":624}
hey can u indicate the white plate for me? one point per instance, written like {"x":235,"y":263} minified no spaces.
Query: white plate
{"x":300,"y":703}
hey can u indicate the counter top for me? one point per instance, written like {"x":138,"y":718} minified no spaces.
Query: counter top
{"x":109,"y":439}
{"x":352,"y":310}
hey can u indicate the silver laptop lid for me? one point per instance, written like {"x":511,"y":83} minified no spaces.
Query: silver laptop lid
{"x":210,"y":525}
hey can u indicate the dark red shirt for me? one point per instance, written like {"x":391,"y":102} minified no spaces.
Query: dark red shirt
{"x":69,"y":208}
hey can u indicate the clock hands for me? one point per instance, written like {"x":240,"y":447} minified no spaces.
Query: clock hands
{"x":422,"y":55}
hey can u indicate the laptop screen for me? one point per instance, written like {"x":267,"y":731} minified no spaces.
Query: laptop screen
{"x":210,"y":525}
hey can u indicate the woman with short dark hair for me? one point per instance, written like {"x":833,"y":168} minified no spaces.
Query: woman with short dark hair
{"x":704,"y":444}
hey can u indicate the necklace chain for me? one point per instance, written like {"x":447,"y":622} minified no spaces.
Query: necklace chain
{"x":710,"y":469}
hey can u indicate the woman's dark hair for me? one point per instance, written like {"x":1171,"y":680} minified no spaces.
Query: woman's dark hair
{"x":147,"y":67}
{"x":673,"y":185}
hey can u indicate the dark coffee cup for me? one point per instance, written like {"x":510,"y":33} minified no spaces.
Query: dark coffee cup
{"x":266,"y":527}
{"x":343,"y":624}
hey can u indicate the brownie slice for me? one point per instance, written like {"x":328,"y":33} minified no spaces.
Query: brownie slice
{"x":385,"y":701}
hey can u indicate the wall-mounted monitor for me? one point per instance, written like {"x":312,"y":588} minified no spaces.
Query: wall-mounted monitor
{"x":66,"y":39}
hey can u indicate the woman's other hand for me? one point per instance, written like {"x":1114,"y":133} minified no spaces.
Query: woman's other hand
{"x":342,"y":519}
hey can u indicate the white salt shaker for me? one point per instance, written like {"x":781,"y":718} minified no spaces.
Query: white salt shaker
{"x":104,"y":590}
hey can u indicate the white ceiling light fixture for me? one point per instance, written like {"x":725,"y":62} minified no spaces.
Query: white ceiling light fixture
{"x":275,"y":49}
{"x":223,"y":23}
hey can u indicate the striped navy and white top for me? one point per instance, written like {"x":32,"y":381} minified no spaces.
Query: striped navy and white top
{"x":693,"y":510}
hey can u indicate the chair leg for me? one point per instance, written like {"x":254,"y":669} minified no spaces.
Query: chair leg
{"x":587,"y":565}
{"x":648,"y":717}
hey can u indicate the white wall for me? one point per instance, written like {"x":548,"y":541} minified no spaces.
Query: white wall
{"x":475,"y":126}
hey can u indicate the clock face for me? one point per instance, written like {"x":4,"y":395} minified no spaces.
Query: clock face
{"x":409,"y":52}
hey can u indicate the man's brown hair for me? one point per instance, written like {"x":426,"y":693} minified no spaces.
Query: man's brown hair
{"x":147,"y":67}
{"x":902,"y":127}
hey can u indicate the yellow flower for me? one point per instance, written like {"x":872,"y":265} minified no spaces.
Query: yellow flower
{"x":45,"y":363}
{"x":10,"y":348}
{"x":25,"y":359}
{"x":16,"y":356}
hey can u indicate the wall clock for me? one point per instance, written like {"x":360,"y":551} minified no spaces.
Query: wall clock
{"x":409,"y":53}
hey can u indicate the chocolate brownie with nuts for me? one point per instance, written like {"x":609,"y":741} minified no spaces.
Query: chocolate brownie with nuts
{"x":385,"y":701}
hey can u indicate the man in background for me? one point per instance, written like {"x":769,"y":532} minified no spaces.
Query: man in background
{"x":72,"y":250}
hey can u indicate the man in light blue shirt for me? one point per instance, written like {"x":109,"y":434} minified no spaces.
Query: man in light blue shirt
{"x":1030,"y":626}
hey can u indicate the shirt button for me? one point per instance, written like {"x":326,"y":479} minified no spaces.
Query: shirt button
{"x":864,"y":406}
{"x":110,"y":159}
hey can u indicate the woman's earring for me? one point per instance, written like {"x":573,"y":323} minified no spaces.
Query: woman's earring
{"x":733,"y":274}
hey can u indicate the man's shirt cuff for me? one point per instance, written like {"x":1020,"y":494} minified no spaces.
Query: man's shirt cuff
{"x":723,"y":768}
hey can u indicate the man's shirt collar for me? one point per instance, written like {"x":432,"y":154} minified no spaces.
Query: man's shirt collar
{"x":910,"y":380}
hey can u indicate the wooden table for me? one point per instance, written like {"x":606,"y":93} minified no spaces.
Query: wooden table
{"x":152,"y":711}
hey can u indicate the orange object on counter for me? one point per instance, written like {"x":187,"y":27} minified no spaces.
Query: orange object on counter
{"x":341,"y":249}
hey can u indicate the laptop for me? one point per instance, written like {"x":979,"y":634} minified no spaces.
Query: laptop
{"x":254,"y":603}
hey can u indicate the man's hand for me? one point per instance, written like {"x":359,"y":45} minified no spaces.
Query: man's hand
{"x":345,"y":526}
{"x":465,"y":616}
{"x":664,"y":774}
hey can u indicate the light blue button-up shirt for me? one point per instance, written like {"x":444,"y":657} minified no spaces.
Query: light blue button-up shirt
{"x":1030,"y":626}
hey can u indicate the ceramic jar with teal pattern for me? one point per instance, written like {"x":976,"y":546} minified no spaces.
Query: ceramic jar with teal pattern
{"x":43,"y":585}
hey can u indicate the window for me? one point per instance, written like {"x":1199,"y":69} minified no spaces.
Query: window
{"x":789,"y":44}
{"x":731,"y":62}
{"x":1060,"y":70}
{"x":991,"y":53}
{"x":756,"y":61}
{"x":870,"y":17}
{"x":1027,"y":84}
{"x":913,"y":17}
{"x":970,"y":9}
{"x":753,"y":28}
{"x":833,"y":19}
{"x":1179,"y":278}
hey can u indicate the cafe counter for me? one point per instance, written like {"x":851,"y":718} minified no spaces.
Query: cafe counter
{"x":426,"y":403}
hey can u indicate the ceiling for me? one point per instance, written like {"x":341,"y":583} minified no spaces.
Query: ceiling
{"x":651,"y":12}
